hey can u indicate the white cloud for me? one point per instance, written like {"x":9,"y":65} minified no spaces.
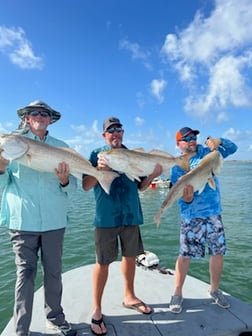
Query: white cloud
{"x":237,"y":136}
{"x":241,"y":138}
{"x":227,"y":87}
{"x":14,"y":44}
{"x":86,"y":139}
{"x":139,"y":121}
{"x":87,"y":131}
{"x":232,"y":134}
{"x":216,"y":49}
{"x":157,"y":87}
{"x":227,"y":83}
{"x":222,"y":116}
{"x":228,"y":28}
{"x":137,"y":53}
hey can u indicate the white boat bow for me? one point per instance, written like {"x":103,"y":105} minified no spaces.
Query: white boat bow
{"x":200,"y":316}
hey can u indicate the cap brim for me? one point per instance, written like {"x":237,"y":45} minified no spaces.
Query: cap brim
{"x":195,"y":132}
{"x":112,"y":124}
{"x":55,"y":115}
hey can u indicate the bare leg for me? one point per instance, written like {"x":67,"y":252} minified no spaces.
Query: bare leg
{"x":215,"y":269}
{"x":100,"y":276}
{"x":128,"y":271}
{"x":181,"y":268}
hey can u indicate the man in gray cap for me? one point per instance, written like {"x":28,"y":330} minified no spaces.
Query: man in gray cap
{"x":34,"y":206}
{"x":118,"y":216}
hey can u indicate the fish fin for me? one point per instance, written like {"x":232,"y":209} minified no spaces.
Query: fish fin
{"x":211,"y":183}
{"x":162,"y":153}
{"x":140,"y":149}
{"x":201,"y":189}
{"x":184,"y":162}
{"x":130,"y":176}
{"x":135,"y":168}
{"x":106,"y":179}
{"x":29,"y":159}
{"x":74,"y":152}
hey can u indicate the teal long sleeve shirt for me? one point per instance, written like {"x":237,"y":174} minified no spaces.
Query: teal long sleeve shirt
{"x":32,"y":200}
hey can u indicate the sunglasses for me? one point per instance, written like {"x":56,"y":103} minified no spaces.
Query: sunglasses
{"x":42,"y":113}
{"x":114,"y":129}
{"x":189,"y":138}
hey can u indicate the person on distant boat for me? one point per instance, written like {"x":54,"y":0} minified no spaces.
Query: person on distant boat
{"x":118,"y":216}
{"x":34,"y":207}
{"x":201,"y":222}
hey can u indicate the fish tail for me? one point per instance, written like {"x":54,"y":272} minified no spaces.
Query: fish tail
{"x":183,"y":161}
{"x":106,"y":179}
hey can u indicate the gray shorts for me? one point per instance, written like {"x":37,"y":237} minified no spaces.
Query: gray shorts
{"x":198,"y":232}
{"x":106,"y":243}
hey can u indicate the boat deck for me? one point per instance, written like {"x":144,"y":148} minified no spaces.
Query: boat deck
{"x":200,"y":316}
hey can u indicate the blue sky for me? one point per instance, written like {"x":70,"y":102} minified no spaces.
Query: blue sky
{"x":158,"y":65}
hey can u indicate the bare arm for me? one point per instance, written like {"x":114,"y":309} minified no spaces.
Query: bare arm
{"x":88,"y":182}
{"x":147,"y":181}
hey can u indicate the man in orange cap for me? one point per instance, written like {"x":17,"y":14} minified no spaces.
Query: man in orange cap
{"x":201,"y":222}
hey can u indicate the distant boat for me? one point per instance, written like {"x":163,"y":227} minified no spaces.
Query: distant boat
{"x":159,"y":182}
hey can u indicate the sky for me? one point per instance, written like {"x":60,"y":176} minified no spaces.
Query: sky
{"x":158,"y":65}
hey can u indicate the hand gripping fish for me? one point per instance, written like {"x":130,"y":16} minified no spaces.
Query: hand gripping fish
{"x":43,"y":157}
{"x":198,"y":177}
{"x":137,"y":163}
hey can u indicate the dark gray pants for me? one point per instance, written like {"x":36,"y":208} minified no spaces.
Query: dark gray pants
{"x":26,"y":246}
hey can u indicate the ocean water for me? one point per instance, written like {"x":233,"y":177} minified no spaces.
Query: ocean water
{"x":236,"y":186}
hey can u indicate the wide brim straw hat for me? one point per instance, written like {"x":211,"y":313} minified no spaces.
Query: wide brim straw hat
{"x":55,"y":115}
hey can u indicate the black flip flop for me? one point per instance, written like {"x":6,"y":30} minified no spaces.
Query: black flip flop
{"x":99,"y":323}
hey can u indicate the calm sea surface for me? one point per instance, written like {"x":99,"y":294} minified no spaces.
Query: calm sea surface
{"x":236,"y":185}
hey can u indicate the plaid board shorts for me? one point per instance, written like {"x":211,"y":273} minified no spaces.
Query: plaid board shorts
{"x":197,"y":233}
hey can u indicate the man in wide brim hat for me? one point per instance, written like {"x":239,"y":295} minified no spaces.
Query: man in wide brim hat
{"x":34,"y":207}
{"x":38,"y":104}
